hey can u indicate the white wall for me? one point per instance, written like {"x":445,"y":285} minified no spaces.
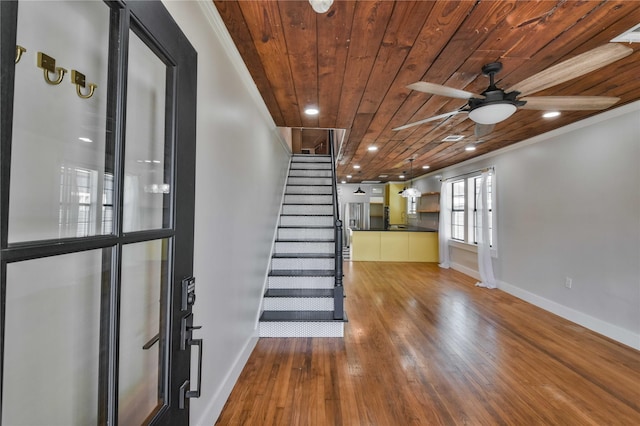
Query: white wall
{"x":240,"y":174}
{"x":568,"y":205}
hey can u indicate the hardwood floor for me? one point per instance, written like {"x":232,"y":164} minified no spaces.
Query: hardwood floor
{"x":424,"y":346}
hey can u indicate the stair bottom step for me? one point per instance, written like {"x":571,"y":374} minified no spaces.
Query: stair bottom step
{"x":301,"y":329}
{"x":314,"y":316}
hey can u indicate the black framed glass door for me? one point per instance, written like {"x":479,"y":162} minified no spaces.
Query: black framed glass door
{"x":96,"y":213}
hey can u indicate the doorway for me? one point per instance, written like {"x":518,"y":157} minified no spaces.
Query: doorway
{"x":96,"y":214}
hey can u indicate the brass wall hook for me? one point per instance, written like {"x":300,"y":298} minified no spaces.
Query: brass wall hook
{"x":78,"y":79}
{"x":19,"y":51}
{"x":48,"y":65}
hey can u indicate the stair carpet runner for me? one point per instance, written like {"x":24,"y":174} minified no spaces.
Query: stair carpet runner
{"x":299,"y":297}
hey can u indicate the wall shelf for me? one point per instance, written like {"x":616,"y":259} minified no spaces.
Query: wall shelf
{"x":429,"y":203}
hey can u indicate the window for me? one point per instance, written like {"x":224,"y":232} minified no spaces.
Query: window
{"x":77,"y":215}
{"x":458,"y":210}
{"x":412,"y":205}
{"x":465,"y":212}
{"x":107,"y":204}
{"x":476,"y":212}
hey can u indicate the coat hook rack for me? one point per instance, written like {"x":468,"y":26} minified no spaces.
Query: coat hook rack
{"x":78,"y":79}
{"x":48,"y":65}
{"x":19,"y":51}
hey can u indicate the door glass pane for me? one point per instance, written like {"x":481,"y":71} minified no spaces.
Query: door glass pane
{"x":144,"y":280}
{"x":146,"y":185}
{"x":52,"y":339}
{"x":58,"y":151}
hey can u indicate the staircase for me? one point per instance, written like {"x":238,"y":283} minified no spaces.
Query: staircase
{"x":301,"y":293}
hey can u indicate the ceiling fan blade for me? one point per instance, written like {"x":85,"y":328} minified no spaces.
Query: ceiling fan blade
{"x":573,"y":68}
{"x":483,"y":129}
{"x":438,"y":89}
{"x":426,"y":120}
{"x":568,"y":103}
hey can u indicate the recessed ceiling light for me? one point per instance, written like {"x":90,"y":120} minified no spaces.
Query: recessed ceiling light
{"x":383,"y":176}
{"x":349,"y":176}
{"x":311,"y":111}
{"x":630,"y":36}
{"x":453,"y":138}
{"x":344,"y":181}
{"x":551,"y":114}
{"x":425,"y":167}
{"x":373,"y":148}
{"x":470,"y":148}
{"x":85,"y":140}
{"x":356,"y":166}
{"x":401,"y":176}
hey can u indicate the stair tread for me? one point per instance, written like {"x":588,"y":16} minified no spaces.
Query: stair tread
{"x":299,"y":292}
{"x":303,"y":255}
{"x":307,"y":214}
{"x":302,"y":273}
{"x":314,"y":240}
{"x":302,"y":204}
{"x":299,"y":316}
{"x":305,"y":227}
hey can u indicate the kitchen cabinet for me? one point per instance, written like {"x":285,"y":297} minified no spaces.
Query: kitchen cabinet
{"x":394,"y":246}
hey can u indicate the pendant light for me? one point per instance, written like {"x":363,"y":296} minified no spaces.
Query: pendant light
{"x":321,"y":6}
{"x":411,"y":191}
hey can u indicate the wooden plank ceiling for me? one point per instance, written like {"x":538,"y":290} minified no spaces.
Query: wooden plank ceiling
{"x":354,"y":63}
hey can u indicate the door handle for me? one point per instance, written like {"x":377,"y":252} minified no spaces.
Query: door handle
{"x":196,"y":393}
{"x":185,"y":391}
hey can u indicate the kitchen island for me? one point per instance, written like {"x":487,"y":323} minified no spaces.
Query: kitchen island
{"x":395,"y":244}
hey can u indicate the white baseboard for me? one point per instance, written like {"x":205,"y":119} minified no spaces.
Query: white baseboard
{"x":611,"y":331}
{"x":465,"y":270}
{"x":215,"y":406}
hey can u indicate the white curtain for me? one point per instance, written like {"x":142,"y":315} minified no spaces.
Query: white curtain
{"x":485,"y":266}
{"x":444,"y":226}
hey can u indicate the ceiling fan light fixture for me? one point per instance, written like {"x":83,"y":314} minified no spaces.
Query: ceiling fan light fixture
{"x":321,"y":6}
{"x":492,"y":113}
{"x":411,"y":193}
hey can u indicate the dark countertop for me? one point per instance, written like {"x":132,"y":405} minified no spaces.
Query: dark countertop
{"x":393,"y":228}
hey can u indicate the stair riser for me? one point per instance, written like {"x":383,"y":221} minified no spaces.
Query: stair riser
{"x":307,"y":209}
{"x":309,"y":181}
{"x":305,"y":234}
{"x":310,"y":190}
{"x":303,"y":247}
{"x":298,"y":304}
{"x":310,"y":173}
{"x":311,"y":159}
{"x":302,"y":264}
{"x":301,"y":329}
{"x":310,"y":166}
{"x":308,"y":199}
{"x":300,"y":282}
{"x":306,"y":221}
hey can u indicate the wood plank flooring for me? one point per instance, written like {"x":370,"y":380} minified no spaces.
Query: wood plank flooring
{"x":424,"y":346}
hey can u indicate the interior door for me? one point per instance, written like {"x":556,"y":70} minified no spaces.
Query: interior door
{"x":96,"y":214}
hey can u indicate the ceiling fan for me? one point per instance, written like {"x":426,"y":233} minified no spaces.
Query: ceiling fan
{"x":495,"y":105}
